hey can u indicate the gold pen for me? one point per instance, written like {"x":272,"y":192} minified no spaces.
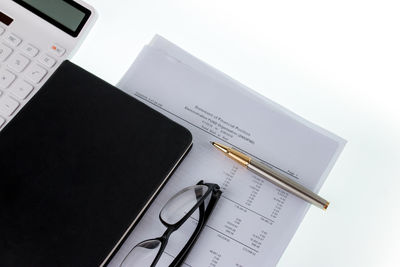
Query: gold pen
{"x":273,"y":176}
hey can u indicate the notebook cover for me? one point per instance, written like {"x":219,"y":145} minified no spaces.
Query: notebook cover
{"x":77,"y":165}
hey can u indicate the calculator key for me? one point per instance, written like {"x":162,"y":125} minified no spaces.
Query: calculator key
{"x":12,"y":39}
{"x":6,"y":78}
{"x":5,"y":51}
{"x":35,"y":73}
{"x":47,"y":61}
{"x":2,"y":30}
{"x":30,"y":50}
{"x":21,"y":89}
{"x":57,"y":50}
{"x":8,"y":105}
{"x":18,"y":62}
{"x":2,"y":121}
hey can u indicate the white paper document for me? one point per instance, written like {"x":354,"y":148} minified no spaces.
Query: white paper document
{"x":254,"y":220}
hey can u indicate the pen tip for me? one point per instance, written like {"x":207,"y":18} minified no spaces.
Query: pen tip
{"x":220,"y":147}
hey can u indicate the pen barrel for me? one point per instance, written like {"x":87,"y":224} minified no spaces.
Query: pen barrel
{"x":287,"y":184}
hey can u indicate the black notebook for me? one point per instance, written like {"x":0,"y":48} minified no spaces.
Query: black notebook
{"x":78,"y":165}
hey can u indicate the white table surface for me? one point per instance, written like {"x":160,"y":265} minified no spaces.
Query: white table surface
{"x":336,"y":63}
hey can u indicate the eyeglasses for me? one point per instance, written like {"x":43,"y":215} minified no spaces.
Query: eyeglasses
{"x":173,"y":215}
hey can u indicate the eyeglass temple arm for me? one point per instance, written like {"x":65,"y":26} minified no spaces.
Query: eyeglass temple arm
{"x":204,"y":215}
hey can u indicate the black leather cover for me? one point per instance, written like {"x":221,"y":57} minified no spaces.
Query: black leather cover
{"x":77,"y":165}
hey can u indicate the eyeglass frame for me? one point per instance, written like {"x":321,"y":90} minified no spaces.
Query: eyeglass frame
{"x":204,"y":214}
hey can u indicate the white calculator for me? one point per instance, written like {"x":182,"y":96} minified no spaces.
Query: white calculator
{"x":35,"y":37}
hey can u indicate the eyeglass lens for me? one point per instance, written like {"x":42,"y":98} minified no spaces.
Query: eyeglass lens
{"x":142,"y":254}
{"x":180,"y":204}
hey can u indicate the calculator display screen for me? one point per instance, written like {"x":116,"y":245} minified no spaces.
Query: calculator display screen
{"x":64,"y":14}
{"x":5,"y":19}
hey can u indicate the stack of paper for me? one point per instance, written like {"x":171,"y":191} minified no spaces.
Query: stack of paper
{"x":254,"y":220}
